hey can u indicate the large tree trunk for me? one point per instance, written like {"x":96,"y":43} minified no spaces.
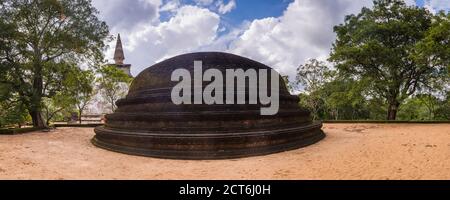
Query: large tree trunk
{"x":36,"y":98}
{"x":37,"y":119}
{"x":392,"y":110}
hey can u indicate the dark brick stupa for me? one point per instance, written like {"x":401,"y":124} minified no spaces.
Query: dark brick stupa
{"x":147,"y":123}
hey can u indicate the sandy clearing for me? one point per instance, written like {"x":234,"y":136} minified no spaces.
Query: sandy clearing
{"x":350,"y":151}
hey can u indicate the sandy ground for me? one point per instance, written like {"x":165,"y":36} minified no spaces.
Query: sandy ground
{"x":350,"y":151}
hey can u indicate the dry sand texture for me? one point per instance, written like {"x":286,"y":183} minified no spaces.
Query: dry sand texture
{"x":350,"y":151}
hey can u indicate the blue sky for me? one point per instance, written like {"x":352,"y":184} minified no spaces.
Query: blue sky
{"x":249,"y":10}
{"x":420,"y":2}
{"x":279,"y":33}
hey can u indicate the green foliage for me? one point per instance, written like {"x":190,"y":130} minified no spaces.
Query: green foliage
{"x":312,"y":102}
{"x":313,"y":75}
{"x":434,"y":49}
{"x":443,"y":110}
{"x":57,"y":107}
{"x":113,"y":84}
{"x":377,"y":109}
{"x":13,"y":114}
{"x":344,"y":99}
{"x":389,"y":46}
{"x":39,"y":39}
{"x":77,"y":89}
{"x":85,"y":91}
{"x":81,"y":87}
{"x":413,"y":109}
{"x":390,"y":60}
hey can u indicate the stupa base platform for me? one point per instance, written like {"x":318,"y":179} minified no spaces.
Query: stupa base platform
{"x":209,"y":146}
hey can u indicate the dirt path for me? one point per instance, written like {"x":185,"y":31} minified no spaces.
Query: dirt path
{"x":350,"y":151}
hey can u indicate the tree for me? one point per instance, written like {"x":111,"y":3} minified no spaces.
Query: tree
{"x":81,"y":84}
{"x":113,"y":84}
{"x":378,"y":45}
{"x":443,"y":112}
{"x":430,"y":102}
{"x":434,"y":50}
{"x":57,"y":104}
{"x":75,"y":93}
{"x":312,"y":76}
{"x":412,"y":109}
{"x":312,"y":102}
{"x":12,"y":111}
{"x":38,"y":38}
{"x":344,"y":98}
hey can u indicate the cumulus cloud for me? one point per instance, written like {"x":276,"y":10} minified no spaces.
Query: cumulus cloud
{"x":226,"y":8}
{"x":122,"y":14}
{"x":304,"y":31}
{"x":189,"y":29}
{"x":170,"y":6}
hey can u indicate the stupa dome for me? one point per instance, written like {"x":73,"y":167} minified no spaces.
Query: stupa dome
{"x":148,"y":123}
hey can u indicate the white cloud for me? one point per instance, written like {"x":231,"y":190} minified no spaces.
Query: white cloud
{"x":226,"y":8}
{"x":435,"y":6}
{"x":204,"y":2}
{"x":304,"y":31}
{"x":170,"y":6}
{"x":223,"y":42}
{"x":123,"y":14}
{"x":188,"y":30}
